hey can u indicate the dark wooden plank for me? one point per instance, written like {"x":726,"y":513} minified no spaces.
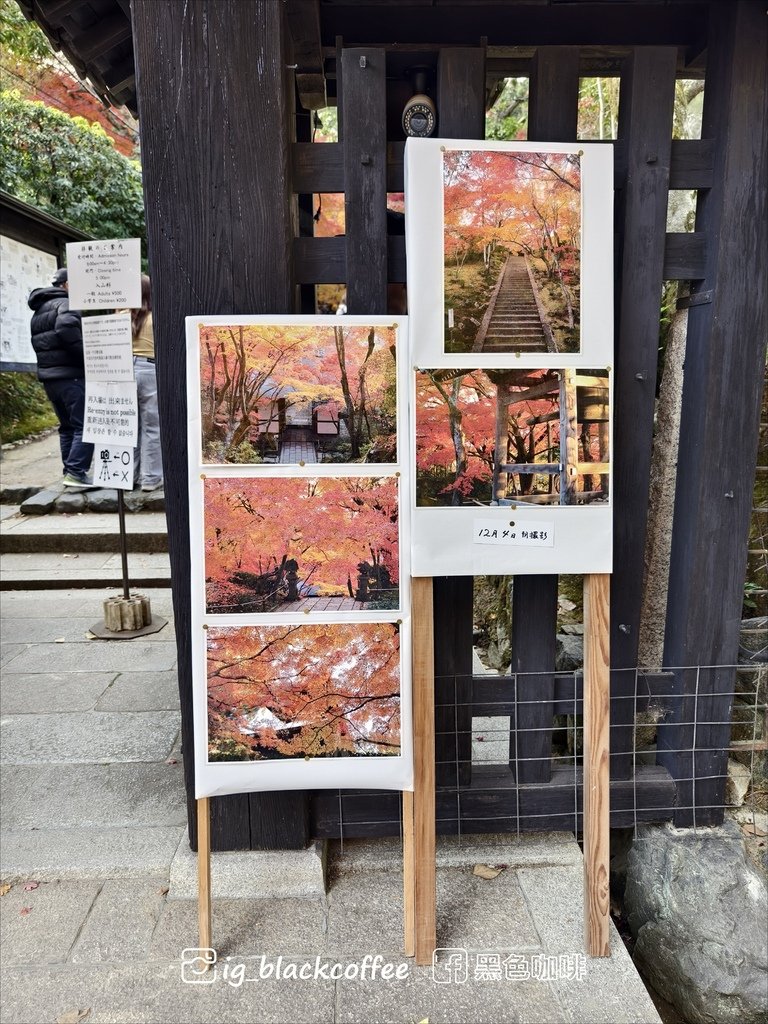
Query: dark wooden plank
{"x":303,"y":20}
{"x":318,"y":167}
{"x":720,"y":413}
{"x":364,"y":144}
{"x":552,"y":116}
{"x":645,"y":125}
{"x":495,"y":695}
{"x":460,"y":114}
{"x":692,"y":163}
{"x":534,"y":602}
{"x":452,"y":598}
{"x":490,"y":805}
{"x":192,"y":63}
{"x":685,"y":256}
{"x":320,"y":260}
{"x":553,"y":94}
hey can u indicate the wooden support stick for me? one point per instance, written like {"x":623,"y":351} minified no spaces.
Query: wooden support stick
{"x":596,"y":764}
{"x":204,"y":872}
{"x":409,"y":866}
{"x":424,"y":771}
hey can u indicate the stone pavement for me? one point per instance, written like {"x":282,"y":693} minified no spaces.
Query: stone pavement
{"x":100,"y":898}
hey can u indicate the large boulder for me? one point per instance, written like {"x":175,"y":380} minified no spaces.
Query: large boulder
{"x":698,"y":911}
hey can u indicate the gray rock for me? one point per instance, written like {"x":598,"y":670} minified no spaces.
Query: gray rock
{"x":134,"y":500}
{"x":104,"y":500}
{"x":698,"y":910}
{"x":570,"y":652}
{"x":70,"y":502}
{"x":40,"y":504}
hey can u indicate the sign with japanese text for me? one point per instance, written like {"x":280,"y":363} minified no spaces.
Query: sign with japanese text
{"x":105,"y":274}
{"x":108,"y":348}
{"x":113,"y":467}
{"x":111,"y":413}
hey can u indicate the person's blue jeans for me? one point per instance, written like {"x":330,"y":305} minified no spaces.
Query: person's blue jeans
{"x":68,"y":400}
{"x":147,"y":456}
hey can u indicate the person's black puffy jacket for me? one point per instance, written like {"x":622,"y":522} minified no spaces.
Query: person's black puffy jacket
{"x":57,"y":335}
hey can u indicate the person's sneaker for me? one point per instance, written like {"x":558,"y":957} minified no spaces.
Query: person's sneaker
{"x":152,"y":487}
{"x":73,"y":484}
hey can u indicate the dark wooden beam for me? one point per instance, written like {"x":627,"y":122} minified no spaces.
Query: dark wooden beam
{"x":303,"y":20}
{"x":195,"y":65}
{"x":552,"y":117}
{"x":364,"y":144}
{"x":645,"y":126}
{"x":101,"y":37}
{"x":724,"y":365}
{"x":118,"y":76}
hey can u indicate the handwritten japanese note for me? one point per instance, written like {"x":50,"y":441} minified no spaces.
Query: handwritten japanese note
{"x":511,"y":532}
{"x":105,"y":274}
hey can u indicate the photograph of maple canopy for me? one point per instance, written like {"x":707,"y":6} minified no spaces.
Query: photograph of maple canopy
{"x":293,"y":691}
{"x":279,"y":393}
{"x":528,"y":437}
{"x":512,"y":224}
{"x":279,"y":544}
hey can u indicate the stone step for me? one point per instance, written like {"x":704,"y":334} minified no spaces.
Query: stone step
{"x":61,"y":571}
{"x":87,"y":532}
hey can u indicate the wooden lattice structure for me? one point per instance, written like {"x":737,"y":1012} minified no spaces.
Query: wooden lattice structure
{"x":226,"y":91}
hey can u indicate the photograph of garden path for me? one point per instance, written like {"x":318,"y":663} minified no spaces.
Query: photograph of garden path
{"x":523,"y":437}
{"x":511,"y":251}
{"x":297,"y":691}
{"x":298,"y":393}
{"x":278,"y":544}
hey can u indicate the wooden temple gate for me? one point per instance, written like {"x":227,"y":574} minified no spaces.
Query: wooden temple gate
{"x":226,"y":91}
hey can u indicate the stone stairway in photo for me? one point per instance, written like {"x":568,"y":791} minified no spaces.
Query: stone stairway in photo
{"x":512,"y":322}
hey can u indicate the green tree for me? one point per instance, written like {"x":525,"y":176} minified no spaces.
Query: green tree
{"x":69,"y":168}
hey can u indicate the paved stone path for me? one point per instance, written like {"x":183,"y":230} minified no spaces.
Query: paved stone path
{"x":324,"y":604}
{"x":298,"y":446}
{"x":515,"y":324}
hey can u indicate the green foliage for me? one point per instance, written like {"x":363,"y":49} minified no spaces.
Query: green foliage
{"x":20,"y":39}
{"x":69,"y":168}
{"x":508,"y":115}
{"x":24,"y":406}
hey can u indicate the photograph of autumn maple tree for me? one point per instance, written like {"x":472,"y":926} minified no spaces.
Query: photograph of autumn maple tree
{"x":298,"y":393}
{"x":528,"y":437}
{"x":512,"y":223}
{"x":276,"y":544}
{"x":303,"y":691}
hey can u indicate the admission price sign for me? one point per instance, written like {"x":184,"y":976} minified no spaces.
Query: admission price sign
{"x":105,"y":274}
{"x":107,"y":346}
{"x":111,"y":413}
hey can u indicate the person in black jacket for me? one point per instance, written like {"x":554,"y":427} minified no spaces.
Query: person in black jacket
{"x":57,"y":338}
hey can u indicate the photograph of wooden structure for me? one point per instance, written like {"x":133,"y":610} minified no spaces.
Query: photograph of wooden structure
{"x":522,"y":437}
{"x":216,"y":80}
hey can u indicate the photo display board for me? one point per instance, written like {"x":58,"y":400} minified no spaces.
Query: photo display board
{"x":510,"y":299}
{"x":299,"y":552}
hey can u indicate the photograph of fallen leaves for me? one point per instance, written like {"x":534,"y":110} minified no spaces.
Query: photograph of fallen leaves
{"x":297,"y":691}
{"x":295,"y":545}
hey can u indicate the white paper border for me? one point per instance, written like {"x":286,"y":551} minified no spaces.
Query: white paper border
{"x":220,"y":778}
{"x":424,"y":246}
{"x":442,"y":536}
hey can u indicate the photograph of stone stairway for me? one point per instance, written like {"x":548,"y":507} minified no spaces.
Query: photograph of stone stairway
{"x":512,"y":322}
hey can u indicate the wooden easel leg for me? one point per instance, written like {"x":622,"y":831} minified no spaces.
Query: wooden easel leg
{"x":409,"y":864}
{"x":424,"y":771}
{"x":596,"y":764}
{"x":204,"y":872}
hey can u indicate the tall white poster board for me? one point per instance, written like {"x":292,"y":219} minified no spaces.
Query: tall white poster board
{"x":299,"y":553}
{"x":510,"y":294}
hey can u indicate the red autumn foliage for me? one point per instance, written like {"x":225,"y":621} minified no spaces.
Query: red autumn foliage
{"x":303,"y":691}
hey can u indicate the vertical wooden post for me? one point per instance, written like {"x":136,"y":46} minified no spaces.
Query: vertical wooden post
{"x":425,"y":894}
{"x":569,"y":441}
{"x":409,"y":881}
{"x":501,"y":450}
{"x":596,"y":765}
{"x":204,"y":872}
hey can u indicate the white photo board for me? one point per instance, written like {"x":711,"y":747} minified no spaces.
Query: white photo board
{"x":299,"y":551}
